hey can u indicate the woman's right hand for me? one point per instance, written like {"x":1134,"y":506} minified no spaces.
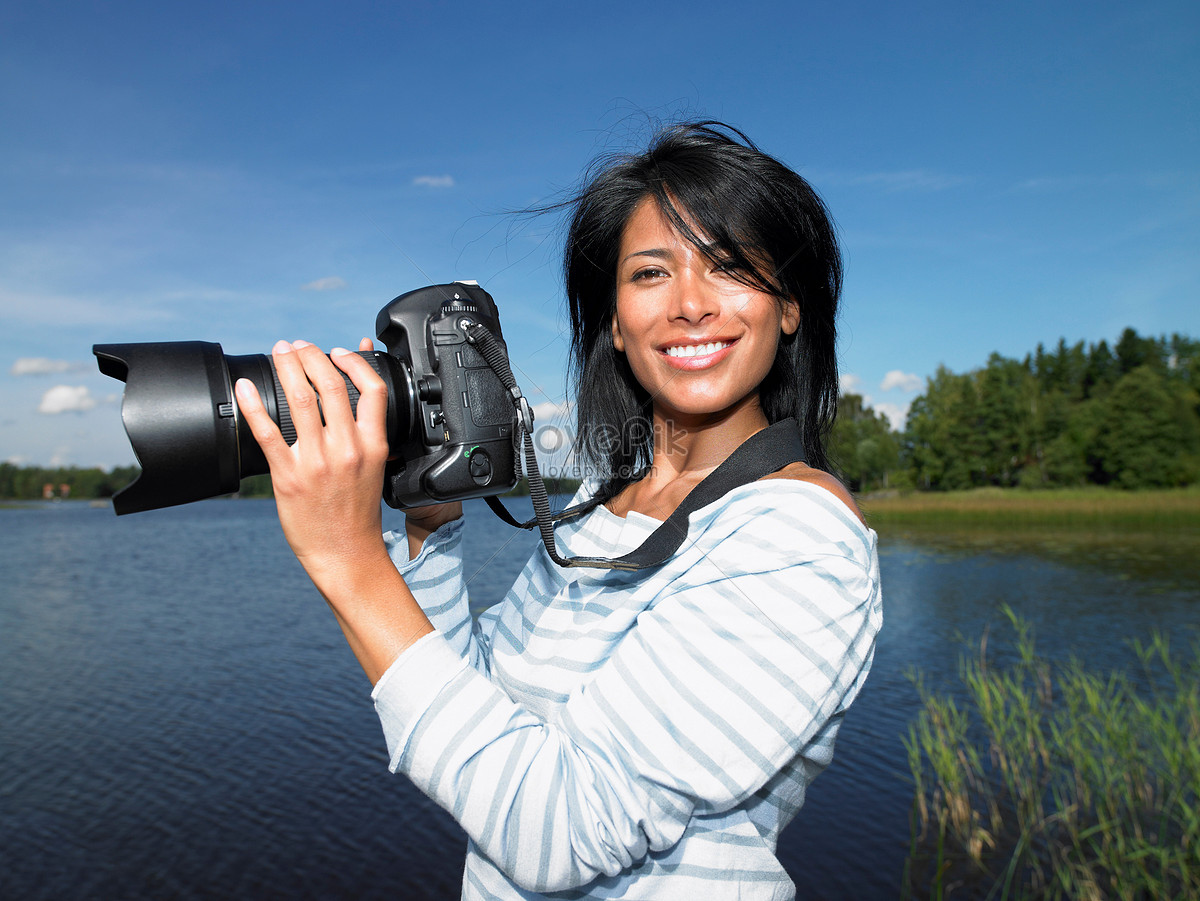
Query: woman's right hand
{"x":421,"y":522}
{"x":328,"y":485}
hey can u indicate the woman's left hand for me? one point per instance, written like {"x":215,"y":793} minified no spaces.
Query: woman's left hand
{"x":328,"y":484}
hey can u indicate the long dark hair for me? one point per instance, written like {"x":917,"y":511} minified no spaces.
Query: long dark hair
{"x":749,"y":208}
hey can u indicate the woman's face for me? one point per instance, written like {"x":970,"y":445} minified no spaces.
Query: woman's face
{"x":697,"y":339}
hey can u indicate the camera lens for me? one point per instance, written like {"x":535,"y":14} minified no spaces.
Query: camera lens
{"x":184,"y":424}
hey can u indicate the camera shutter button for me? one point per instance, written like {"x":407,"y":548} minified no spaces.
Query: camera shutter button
{"x":481,"y":466}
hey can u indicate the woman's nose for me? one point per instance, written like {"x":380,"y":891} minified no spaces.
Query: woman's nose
{"x":694,"y":299}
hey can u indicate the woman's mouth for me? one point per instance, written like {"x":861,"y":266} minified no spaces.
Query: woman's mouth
{"x":696,"y":356}
{"x":696,"y":350}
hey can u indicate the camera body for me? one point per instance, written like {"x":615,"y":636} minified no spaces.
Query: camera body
{"x":451,"y":424}
{"x":459,"y":443}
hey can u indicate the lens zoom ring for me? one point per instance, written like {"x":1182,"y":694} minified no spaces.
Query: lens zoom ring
{"x":286,"y":426}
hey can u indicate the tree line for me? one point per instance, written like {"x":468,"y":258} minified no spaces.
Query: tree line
{"x":27,"y":483}
{"x":1126,"y":416}
{"x":46,"y":482}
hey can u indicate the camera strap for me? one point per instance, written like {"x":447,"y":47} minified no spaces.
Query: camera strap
{"x":759,"y":455}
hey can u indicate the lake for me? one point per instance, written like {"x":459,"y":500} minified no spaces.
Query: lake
{"x":181,"y":718}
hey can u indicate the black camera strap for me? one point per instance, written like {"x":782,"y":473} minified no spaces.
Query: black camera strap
{"x":759,"y":455}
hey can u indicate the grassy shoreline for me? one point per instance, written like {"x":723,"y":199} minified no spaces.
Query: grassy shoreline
{"x":1178,"y":507}
{"x":1045,"y":780}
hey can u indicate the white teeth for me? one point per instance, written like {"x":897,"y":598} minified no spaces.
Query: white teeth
{"x":696,"y":350}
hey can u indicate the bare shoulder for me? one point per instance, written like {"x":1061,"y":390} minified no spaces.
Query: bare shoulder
{"x":802,"y":472}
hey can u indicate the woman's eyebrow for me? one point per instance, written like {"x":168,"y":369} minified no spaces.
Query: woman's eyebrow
{"x":659,"y":253}
{"x":713,"y":251}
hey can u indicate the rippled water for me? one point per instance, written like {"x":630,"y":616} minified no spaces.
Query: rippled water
{"x":180,"y":717}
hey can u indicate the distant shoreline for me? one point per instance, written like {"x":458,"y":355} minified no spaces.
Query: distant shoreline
{"x":979,"y":506}
{"x":1055,"y":506}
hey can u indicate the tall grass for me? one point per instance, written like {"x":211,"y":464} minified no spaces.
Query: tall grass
{"x":1055,"y":782}
{"x":1065,"y":507}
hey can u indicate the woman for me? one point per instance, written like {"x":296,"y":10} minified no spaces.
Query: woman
{"x":622,"y":734}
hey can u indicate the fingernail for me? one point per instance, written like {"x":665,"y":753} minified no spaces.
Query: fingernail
{"x":244,"y":388}
{"x":300,"y":344}
{"x":338,"y":352}
{"x":281,"y":347}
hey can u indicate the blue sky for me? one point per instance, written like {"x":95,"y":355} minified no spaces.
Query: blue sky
{"x":1001,"y":174}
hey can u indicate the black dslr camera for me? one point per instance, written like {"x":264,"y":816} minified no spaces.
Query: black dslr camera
{"x":451,"y":422}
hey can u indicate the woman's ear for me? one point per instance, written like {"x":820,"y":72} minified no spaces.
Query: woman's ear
{"x":618,"y":341}
{"x":791,"y":316}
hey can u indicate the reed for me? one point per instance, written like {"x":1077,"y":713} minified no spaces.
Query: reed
{"x":1066,"y":506}
{"x":1050,"y":781}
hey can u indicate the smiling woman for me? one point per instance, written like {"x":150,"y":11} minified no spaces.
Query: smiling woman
{"x":706,"y":196}
{"x":623,"y":733}
{"x":697,"y":337}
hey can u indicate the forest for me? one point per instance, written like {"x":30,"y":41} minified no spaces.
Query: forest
{"x":1126,"y":416}
{"x":62,"y":482}
{"x":28,"y":483}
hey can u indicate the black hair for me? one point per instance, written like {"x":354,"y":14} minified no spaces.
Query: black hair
{"x":750,"y":209}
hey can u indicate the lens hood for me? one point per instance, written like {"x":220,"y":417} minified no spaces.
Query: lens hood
{"x":181,"y":418}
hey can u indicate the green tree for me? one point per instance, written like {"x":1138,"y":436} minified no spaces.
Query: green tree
{"x":1067,"y":450}
{"x":1134,"y":351}
{"x":29,"y":482}
{"x":8,"y":480}
{"x":1183,"y":361}
{"x":1072,"y":415}
{"x":1101,"y":372}
{"x":1005,"y":421}
{"x":1148,"y":432}
{"x":942,"y":439}
{"x":256,"y":486}
{"x":863,"y":446}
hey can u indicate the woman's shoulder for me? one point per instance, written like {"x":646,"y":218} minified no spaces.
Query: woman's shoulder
{"x":772,"y":525}
{"x":797,"y":497}
{"x":802,"y":472}
{"x":814,"y":510}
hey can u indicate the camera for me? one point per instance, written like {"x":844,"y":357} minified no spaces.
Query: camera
{"x":452,"y":424}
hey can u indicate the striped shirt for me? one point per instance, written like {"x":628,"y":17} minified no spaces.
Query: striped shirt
{"x":609,"y":734}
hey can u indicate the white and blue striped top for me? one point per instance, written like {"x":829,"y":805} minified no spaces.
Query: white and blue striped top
{"x":607,"y":734}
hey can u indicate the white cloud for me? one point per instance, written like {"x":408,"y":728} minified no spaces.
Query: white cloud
{"x":551,"y":439}
{"x":66,"y":399}
{"x":1150,"y":181}
{"x":554,"y":438}
{"x":849,"y":383}
{"x":552,"y":426}
{"x":44,"y":366}
{"x":434,"y":181}
{"x":896,"y":414}
{"x":902,"y":381}
{"x":331,"y":283}
{"x":549,"y":410}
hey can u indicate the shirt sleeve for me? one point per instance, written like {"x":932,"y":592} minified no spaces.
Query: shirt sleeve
{"x":435,"y":577}
{"x":734,"y":671}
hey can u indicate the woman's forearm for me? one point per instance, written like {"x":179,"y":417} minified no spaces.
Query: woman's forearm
{"x":377,"y":613}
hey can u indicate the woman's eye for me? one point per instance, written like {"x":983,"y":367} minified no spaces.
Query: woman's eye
{"x":648,"y":272}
